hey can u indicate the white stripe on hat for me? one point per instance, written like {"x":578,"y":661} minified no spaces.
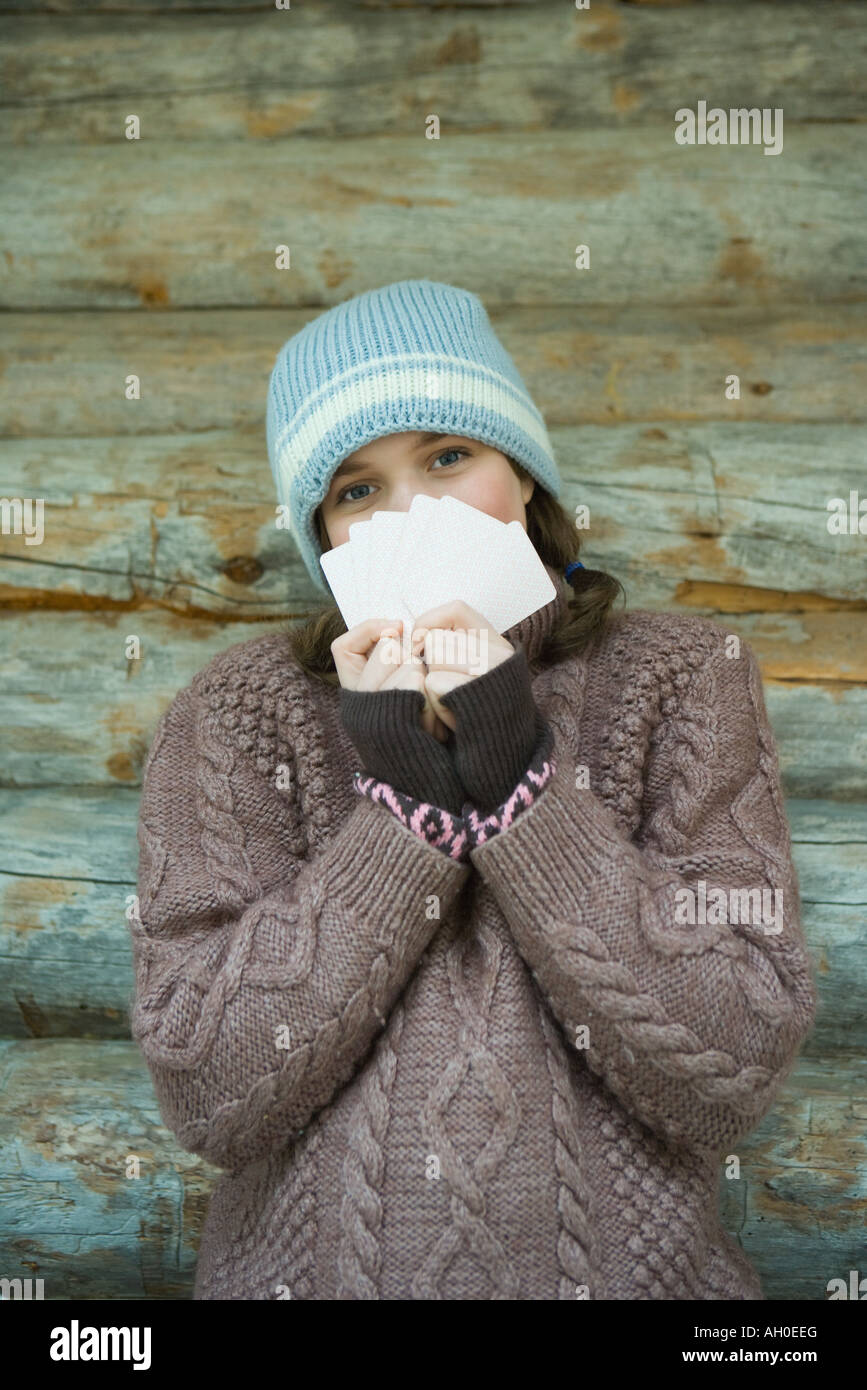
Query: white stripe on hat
{"x":384,"y":382}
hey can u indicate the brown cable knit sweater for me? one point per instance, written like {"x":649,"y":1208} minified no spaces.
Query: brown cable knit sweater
{"x":509,"y":1077}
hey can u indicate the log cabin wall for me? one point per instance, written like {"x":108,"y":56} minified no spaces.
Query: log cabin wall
{"x":155,"y":258}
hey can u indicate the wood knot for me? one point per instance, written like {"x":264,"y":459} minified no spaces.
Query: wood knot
{"x":243,"y":569}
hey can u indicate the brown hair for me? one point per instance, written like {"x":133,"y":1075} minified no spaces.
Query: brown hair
{"x":555,"y":540}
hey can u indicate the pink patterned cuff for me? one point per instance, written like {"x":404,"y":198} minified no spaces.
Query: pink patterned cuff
{"x":528,"y":790}
{"x":431,"y":823}
{"x":457,"y":836}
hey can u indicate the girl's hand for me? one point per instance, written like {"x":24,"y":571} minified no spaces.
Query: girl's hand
{"x":473,"y":649}
{"x":369,"y":658}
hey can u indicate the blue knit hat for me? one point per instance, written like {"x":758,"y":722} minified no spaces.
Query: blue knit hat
{"x":413,"y":355}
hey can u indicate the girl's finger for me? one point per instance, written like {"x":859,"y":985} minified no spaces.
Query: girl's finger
{"x":351,"y":649}
{"x":440,"y":732}
{"x":471,"y":653}
{"x":452,"y":615}
{"x":458,"y":638}
{"x":359,"y":640}
{"x":432,"y":724}
{"x":442,"y":679}
{"x":383,"y":661}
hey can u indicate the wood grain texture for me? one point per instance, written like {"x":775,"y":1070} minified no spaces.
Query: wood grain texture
{"x":716,"y":517}
{"x":148,"y":223}
{"x":63,"y":375}
{"x":354,"y":69}
{"x":156,"y":259}
{"x":68,"y":870}
{"x":73,"y":1113}
{"x":77,"y":712}
{"x":798,"y":1207}
{"x":76,"y":1111}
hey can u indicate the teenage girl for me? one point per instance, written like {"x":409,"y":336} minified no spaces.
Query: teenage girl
{"x":468,"y":979}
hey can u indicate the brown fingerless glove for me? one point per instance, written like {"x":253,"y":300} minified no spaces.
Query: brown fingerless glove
{"x":385,"y":728}
{"x":499,"y":729}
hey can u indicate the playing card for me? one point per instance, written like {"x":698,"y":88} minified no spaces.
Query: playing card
{"x":359,"y":539}
{"x":518,"y":583}
{"x":400,"y":564}
{"x":467,"y":554}
{"x":339,"y":569}
{"x":386,"y":530}
{"x":452,"y":559}
{"x":488,"y":528}
{"x":409,"y":555}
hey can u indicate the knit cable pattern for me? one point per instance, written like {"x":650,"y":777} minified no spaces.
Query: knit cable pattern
{"x":305,"y":905}
{"x":639,"y":1022}
{"x":468,"y":1176}
{"x":655,"y":691}
{"x":360,"y":1255}
{"x":577,"y":1246}
{"x":184,"y":996}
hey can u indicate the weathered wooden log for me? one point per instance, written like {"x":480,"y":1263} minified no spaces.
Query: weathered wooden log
{"x":798,"y":1207}
{"x":68,"y":867}
{"x":712,"y":517}
{"x":75,"y":710}
{"x":147,"y":223}
{"x":75,"y":1112}
{"x":584,"y":365}
{"x":507,"y":67}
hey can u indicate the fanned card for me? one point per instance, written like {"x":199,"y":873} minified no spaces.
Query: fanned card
{"x":401,"y":564}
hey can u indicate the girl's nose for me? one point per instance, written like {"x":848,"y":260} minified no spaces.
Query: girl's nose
{"x":401,"y":495}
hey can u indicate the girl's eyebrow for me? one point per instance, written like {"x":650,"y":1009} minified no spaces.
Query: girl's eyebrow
{"x":356,"y":467}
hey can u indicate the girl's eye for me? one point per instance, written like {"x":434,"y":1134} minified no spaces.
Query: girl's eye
{"x":461,"y":453}
{"x":451,"y":451}
{"x":347,"y":490}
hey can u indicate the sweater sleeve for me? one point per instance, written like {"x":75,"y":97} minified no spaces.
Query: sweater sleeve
{"x":255,"y":1002}
{"x":385,"y":727}
{"x":458,"y":835}
{"x":499,"y":729}
{"x":692,"y":1027}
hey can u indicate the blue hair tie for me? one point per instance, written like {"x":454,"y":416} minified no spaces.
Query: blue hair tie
{"x":574,"y":565}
